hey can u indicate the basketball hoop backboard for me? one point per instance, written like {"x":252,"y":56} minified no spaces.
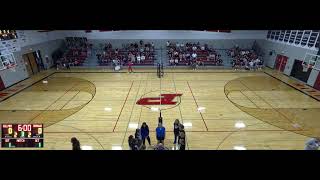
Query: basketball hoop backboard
{"x":311,"y":61}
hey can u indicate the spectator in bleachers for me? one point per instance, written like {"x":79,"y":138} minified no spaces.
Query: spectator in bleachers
{"x":132,"y":58}
{"x":171,"y":62}
{"x":194,"y":55}
{"x":176,"y":62}
{"x":258,"y":63}
{"x":188,"y":56}
{"x":194,"y":48}
{"x":136,"y":45}
{"x":138,"y":58}
{"x":168,"y":43}
{"x":143,"y":57}
{"x":180,"y":56}
{"x":194,"y":65}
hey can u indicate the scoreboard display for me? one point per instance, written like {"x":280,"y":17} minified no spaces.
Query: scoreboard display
{"x":22,"y":135}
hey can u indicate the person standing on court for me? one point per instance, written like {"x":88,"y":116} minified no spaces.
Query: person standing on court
{"x":75,"y":144}
{"x":312,"y":144}
{"x":176,"y":131}
{"x":160,"y":133}
{"x":145,"y":133}
{"x":131,"y":142}
{"x":130,"y":64}
{"x":182,"y":138}
{"x":137,"y":135}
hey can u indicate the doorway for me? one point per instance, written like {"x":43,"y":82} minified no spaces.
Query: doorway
{"x":281,"y":62}
{"x":31,"y":63}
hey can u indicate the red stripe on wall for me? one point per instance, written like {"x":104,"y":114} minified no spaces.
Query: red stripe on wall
{"x":1,"y":84}
{"x":317,"y":83}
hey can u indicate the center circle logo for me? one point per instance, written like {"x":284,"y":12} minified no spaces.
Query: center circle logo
{"x":164,"y":100}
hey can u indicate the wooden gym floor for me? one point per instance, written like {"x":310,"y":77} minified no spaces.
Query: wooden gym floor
{"x":241,"y":110}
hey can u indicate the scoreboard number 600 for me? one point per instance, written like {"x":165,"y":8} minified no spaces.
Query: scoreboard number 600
{"x":25,"y":127}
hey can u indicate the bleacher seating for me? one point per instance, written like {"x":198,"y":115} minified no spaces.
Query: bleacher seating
{"x":141,"y":54}
{"x":183,"y":53}
{"x":76,"y":52}
{"x":242,"y":58}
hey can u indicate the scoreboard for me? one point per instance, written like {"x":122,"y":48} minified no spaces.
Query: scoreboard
{"x":22,"y":135}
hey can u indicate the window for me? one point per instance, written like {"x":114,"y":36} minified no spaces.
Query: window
{"x":287,"y":35}
{"x":299,"y":37}
{"x":282,"y":35}
{"x":317,"y":43}
{"x":269,"y":34}
{"x":293,"y":36}
{"x":305,"y":37}
{"x":313,"y":38}
{"x":272,"y":34}
{"x":277,"y":35}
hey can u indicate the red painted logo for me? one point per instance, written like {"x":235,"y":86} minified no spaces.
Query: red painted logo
{"x":164,"y":99}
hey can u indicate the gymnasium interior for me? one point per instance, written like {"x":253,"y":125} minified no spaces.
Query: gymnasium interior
{"x":229,"y":89}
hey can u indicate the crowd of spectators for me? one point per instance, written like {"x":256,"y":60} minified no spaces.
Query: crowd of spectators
{"x":138,"y":53}
{"x":244,"y":59}
{"x":77,"y":50}
{"x":192,"y":54}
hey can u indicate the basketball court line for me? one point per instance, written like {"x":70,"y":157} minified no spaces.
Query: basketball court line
{"x":69,"y":100}
{"x":293,"y":86}
{"x":197,"y":105}
{"x":84,"y":133}
{"x":293,"y":131}
{"x":172,"y":131}
{"x":143,"y":93}
{"x":134,"y":103}
{"x":231,"y":133}
{"x":186,"y":139}
{"x":51,"y":104}
{"x":249,"y":99}
{"x":123,"y":107}
{"x":13,"y":94}
{"x":266,"y":103}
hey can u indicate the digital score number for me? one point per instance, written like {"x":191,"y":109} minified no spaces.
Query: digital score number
{"x":22,"y":135}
